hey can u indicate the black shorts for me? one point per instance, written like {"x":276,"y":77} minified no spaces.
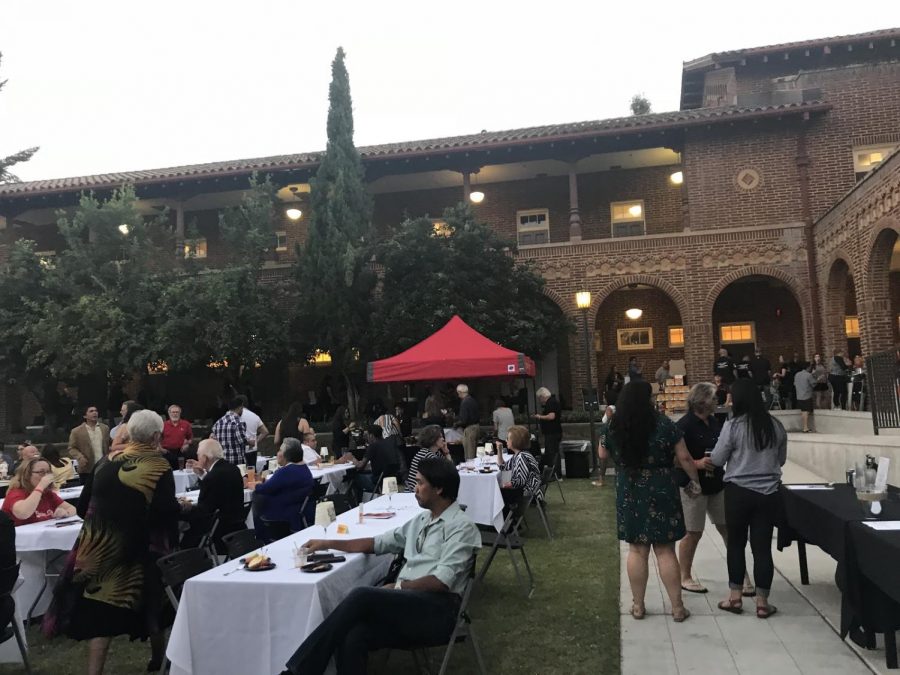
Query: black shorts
{"x":805,"y":406}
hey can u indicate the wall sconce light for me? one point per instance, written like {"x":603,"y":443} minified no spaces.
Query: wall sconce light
{"x":634,"y":313}
{"x":294,"y":214}
{"x":583,"y":299}
{"x":123,"y":228}
{"x":476,"y":197}
{"x":677,"y":178}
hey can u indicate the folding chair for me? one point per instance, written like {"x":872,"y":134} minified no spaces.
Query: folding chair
{"x":462,"y":632}
{"x":554,"y":475}
{"x":341,"y":502}
{"x":277,"y":529}
{"x":176,"y":568}
{"x":240,"y":543}
{"x":317,"y":494}
{"x":541,"y":504}
{"x":9,"y":627}
{"x":509,"y":538}
{"x":207,"y":542}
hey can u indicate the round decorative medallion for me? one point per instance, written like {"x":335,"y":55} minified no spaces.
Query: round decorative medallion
{"x":748,"y":179}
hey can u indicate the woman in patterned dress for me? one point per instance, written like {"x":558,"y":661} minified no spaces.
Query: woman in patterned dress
{"x":523,"y":467}
{"x":644,"y":445}
{"x":111,"y":585}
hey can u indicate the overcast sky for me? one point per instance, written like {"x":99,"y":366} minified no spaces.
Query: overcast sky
{"x":111,"y":85}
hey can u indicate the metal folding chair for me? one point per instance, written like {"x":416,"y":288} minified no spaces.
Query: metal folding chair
{"x":8,"y":578}
{"x":509,"y":538}
{"x":277,"y":529}
{"x":317,"y":494}
{"x":207,"y":541}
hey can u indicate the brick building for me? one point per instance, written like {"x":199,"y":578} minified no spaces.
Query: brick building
{"x":765,"y":211}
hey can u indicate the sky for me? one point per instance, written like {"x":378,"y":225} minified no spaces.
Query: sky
{"x":107,"y":86}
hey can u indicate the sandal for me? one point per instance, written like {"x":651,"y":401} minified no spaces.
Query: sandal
{"x":765,"y":612}
{"x":685,"y":613}
{"x":748,"y":591}
{"x":693,"y":586}
{"x":638,"y":612}
{"x":733,"y":606}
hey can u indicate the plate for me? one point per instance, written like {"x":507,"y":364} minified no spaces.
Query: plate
{"x":486,"y":471}
{"x":316,"y":567}
{"x":261,"y":568}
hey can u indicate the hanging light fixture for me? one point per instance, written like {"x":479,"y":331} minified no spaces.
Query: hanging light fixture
{"x":294,"y":214}
{"x":634,"y":313}
{"x":677,"y":178}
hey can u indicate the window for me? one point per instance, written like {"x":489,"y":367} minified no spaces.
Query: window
{"x":46,"y":258}
{"x":281,"y":241}
{"x":867,"y":157}
{"x":441,"y":228}
{"x":533,"y":226}
{"x":195,"y":248}
{"x":634,"y":339}
{"x":628,"y":218}
{"x":737,"y":333}
{"x":851,"y":326}
{"x":676,"y":336}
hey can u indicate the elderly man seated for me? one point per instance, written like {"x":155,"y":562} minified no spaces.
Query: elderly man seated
{"x":420,"y":609}
{"x":221,"y":489}
{"x":26,"y":452}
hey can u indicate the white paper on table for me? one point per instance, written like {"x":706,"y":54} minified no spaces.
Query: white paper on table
{"x":809,"y":487}
{"x":883,"y":525}
{"x":881,"y":478}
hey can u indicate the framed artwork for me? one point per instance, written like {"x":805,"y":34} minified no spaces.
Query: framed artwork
{"x":634,"y":339}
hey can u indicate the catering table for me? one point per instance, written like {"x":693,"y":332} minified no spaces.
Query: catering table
{"x":333,"y":474}
{"x":480,"y":492}
{"x":830,"y":516}
{"x":66,"y":494}
{"x":185,"y":479}
{"x":38,"y":546}
{"x":270,"y":613}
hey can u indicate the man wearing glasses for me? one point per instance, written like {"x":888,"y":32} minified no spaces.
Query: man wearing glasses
{"x":420,"y":608}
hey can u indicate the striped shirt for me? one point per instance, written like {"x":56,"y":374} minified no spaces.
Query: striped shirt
{"x":414,"y":466}
{"x":525,"y":472}
{"x":231,"y":433}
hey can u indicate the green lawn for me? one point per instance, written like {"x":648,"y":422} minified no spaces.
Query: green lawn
{"x":570,"y":625}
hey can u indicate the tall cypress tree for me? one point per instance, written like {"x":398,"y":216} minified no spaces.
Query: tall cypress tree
{"x":333,"y":270}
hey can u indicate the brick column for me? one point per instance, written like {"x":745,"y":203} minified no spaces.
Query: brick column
{"x":699,"y":348}
{"x":876,"y":326}
{"x":581,"y":371}
{"x":179,"y":230}
{"x":574,"y":212}
{"x":467,"y":186}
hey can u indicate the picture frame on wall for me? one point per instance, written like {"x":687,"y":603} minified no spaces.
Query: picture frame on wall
{"x":634,"y":339}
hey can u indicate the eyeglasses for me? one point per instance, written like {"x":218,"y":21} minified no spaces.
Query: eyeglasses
{"x":42,"y":472}
{"x":423,"y":535}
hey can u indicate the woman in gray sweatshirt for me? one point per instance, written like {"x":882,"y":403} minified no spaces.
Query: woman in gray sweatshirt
{"x":752,"y":447}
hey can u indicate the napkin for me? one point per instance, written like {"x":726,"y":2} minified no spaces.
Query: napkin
{"x":325,"y":514}
{"x":389,"y":486}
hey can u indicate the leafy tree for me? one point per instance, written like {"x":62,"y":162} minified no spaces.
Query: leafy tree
{"x":16,"y":158}
{"x":640,"y":105}
{"x":467,"y":270}
{"x":229,"y":315}
{"x":333,"y":270}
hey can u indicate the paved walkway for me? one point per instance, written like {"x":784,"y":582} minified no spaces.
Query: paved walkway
{"x":800,"y":639}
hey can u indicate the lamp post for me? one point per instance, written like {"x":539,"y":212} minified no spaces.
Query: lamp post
{"x":583,"y":301}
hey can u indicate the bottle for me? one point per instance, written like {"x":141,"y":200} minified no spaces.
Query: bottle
{"x":4,"y":469}
{"x":360,"y":513}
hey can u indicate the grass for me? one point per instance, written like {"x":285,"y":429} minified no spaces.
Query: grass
{"x":570,"y":625}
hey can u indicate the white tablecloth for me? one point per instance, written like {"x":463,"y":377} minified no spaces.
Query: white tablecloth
{"x":35,"y":545}
{"x":480,"y":492}
{"x":185,"y":479}
{"x":66,"y":494}
{"x":334,"y":474}
{"x":268,"y":614}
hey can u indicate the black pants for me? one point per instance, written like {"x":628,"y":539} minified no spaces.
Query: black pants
{"x":747,"y":510}
{"x":838,"y":390}
{"x":87,"y":481}
{"x":551,"y":448}
{"x":375,"y":618}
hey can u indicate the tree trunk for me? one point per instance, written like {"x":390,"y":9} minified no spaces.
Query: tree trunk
{"x":352,"y":397}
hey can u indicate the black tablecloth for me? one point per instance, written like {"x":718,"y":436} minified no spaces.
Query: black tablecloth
{"x":877,"y":557}
{"x":828,"y":518}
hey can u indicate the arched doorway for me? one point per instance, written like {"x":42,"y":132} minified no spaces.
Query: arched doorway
{"x":883,"y":293}
{"x":842,"y":327}
{"x":759,"y":311}
{"x":653,"y":336}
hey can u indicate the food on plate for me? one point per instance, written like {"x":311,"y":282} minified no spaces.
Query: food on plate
{"x":257,"y":560}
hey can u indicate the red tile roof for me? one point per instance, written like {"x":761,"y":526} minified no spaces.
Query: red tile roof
{"x":451,"y":144}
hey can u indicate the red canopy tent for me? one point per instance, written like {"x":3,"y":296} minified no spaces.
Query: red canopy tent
{"x":455,"y":351}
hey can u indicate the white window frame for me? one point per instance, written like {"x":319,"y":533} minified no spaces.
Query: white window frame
{"x":752,"y":339}
{"x":627,"y":220}
{"x":191,"y":246}
{"x":884,"y":149}
{"x":529,"y":229}
{"x":281,"y":243}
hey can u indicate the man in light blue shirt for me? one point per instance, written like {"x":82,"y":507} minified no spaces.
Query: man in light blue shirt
{"x":420,"y":608}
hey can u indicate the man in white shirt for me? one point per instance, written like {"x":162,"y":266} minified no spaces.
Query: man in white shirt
{"x":310,"y":453}
{"x":256,"y":431}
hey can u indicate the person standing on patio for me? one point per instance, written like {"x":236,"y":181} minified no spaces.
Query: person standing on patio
{"x":645,"y":446}
{"x":88,"y":443}
{"x":701,"y":430}
{"x":177,"y":435}
{"x":469,"y":418}
{"x":550,"y":419}
{"x":752,"y":447}
{"x":231,"y":433}
{"x":503,"y":419}
{"x":804,"y":386}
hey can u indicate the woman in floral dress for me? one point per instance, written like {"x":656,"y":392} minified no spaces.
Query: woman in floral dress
{"x":645,"y":445}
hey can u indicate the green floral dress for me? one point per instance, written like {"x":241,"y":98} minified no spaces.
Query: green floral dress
{"x":648,"y":504}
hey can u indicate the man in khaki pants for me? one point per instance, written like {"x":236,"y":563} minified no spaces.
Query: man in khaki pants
{"x":469,"y":418}
{"x":89,"y":443}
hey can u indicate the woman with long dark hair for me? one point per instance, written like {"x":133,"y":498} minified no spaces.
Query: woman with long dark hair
{"x":752,"y":447}
{"x":292,"y":425}
{"x":645,"y":446}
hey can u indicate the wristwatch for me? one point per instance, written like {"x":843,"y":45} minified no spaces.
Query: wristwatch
{"x":398,"y":585}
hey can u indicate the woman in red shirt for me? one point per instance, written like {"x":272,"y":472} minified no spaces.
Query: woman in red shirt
{"x":31,"y":498}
